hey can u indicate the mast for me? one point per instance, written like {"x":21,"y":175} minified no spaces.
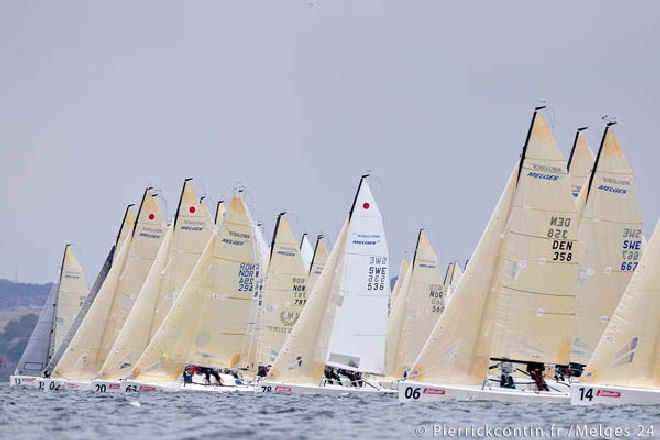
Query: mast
{"x":577,"y":136}
{"x":600,"y":150}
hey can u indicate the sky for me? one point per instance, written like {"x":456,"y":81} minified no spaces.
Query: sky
{"x":294,"y":100}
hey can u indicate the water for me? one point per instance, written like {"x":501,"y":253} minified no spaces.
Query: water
{"x":31,"y":413}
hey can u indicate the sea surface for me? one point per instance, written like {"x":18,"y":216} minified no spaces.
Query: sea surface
{"x":27,"y":413}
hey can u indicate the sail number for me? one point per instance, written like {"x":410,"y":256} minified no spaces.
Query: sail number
{"x":436,"y":294}
{"x":377,"y":273}
{"x":412,"y":393}
{"x":561,"y":246}
{"x":589,"y":394}
{"x":246,"y":277}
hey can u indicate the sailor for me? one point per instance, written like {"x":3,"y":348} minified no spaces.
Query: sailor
{"x":506,"y":368}
{"x":535,"y":370}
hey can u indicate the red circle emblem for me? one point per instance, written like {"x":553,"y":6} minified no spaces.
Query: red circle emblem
{"x":192,"y":209}
{"x":365,"y":205}
{"x":151,"y":216}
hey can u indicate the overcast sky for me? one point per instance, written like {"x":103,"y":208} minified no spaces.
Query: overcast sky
{"x":295,"y":99}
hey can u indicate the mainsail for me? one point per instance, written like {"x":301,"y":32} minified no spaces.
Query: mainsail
{"x":580,"y":162}
{"x":358,"y":337}
{"x":184,"y":242}
{"x":306,"y":252}
{"x":419,"y":304}
{"x":284,"y":292}
{"x":208,"y":322}
{"x":610,"y":244}
{"x":628,"y":353}
{"x":125,"y":229}
{"x":458,"y":349}
{"x":56,"y":317}
{"x":70,"y":297}
{"x":536,"y":310}
{"x":318,"y":263}
{"x":37,"y":351}
{"x":92,"y":342}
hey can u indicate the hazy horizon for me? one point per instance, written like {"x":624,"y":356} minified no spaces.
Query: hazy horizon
{"x":295,"y":100}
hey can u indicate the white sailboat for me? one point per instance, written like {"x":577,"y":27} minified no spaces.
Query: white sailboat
{"x":625,"y":366}
{"x":306,"y":251}
{"x":182,"y":246}
{"x":516,"y":299}
{"x":318,"y":263}
{"x":208,"y":324}
{"x":415,"y":311}
{"x":284,"y":295}
{"x":580,"y":162}
{"x":55,"y":319}
{"x":98,"y":331}
{"x":609,"y":244}
{"x":343,"y":323}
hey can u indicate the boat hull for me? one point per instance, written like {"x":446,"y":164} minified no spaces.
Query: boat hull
{"x":287,"y":388}
{"x":428,"y":392}
{"x":129,"y":386}
{"x":25,"y":381}
{"x":66,"y":385}
{"x":594,"y":394}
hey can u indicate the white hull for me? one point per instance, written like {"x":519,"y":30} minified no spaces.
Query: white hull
{"x":66,"y":385}
{"x":594,"y":394}
{"x":25,"y":381}
{"x":389,"y":384}
{"x":287,"y":388}
{"x":428,"y":392}
{"x":173,"y":387}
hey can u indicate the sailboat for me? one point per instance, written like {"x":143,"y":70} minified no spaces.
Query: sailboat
{"x":55,"y":319}
{"x":342,"y":327}
{"x":98,"y":331}
{"x":306,"y":251}
{"x":284,"y":295}
{"x":127,"y":224}
{"x":208,"y":324}
{"x":414,"y":312}
{"x":580,"y":162}
{"x":318,"y":263}
{"x":625,"y":366}
{"x":609,"y":244}
{"x":182,"y":246}
{"x":515,"y":301}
